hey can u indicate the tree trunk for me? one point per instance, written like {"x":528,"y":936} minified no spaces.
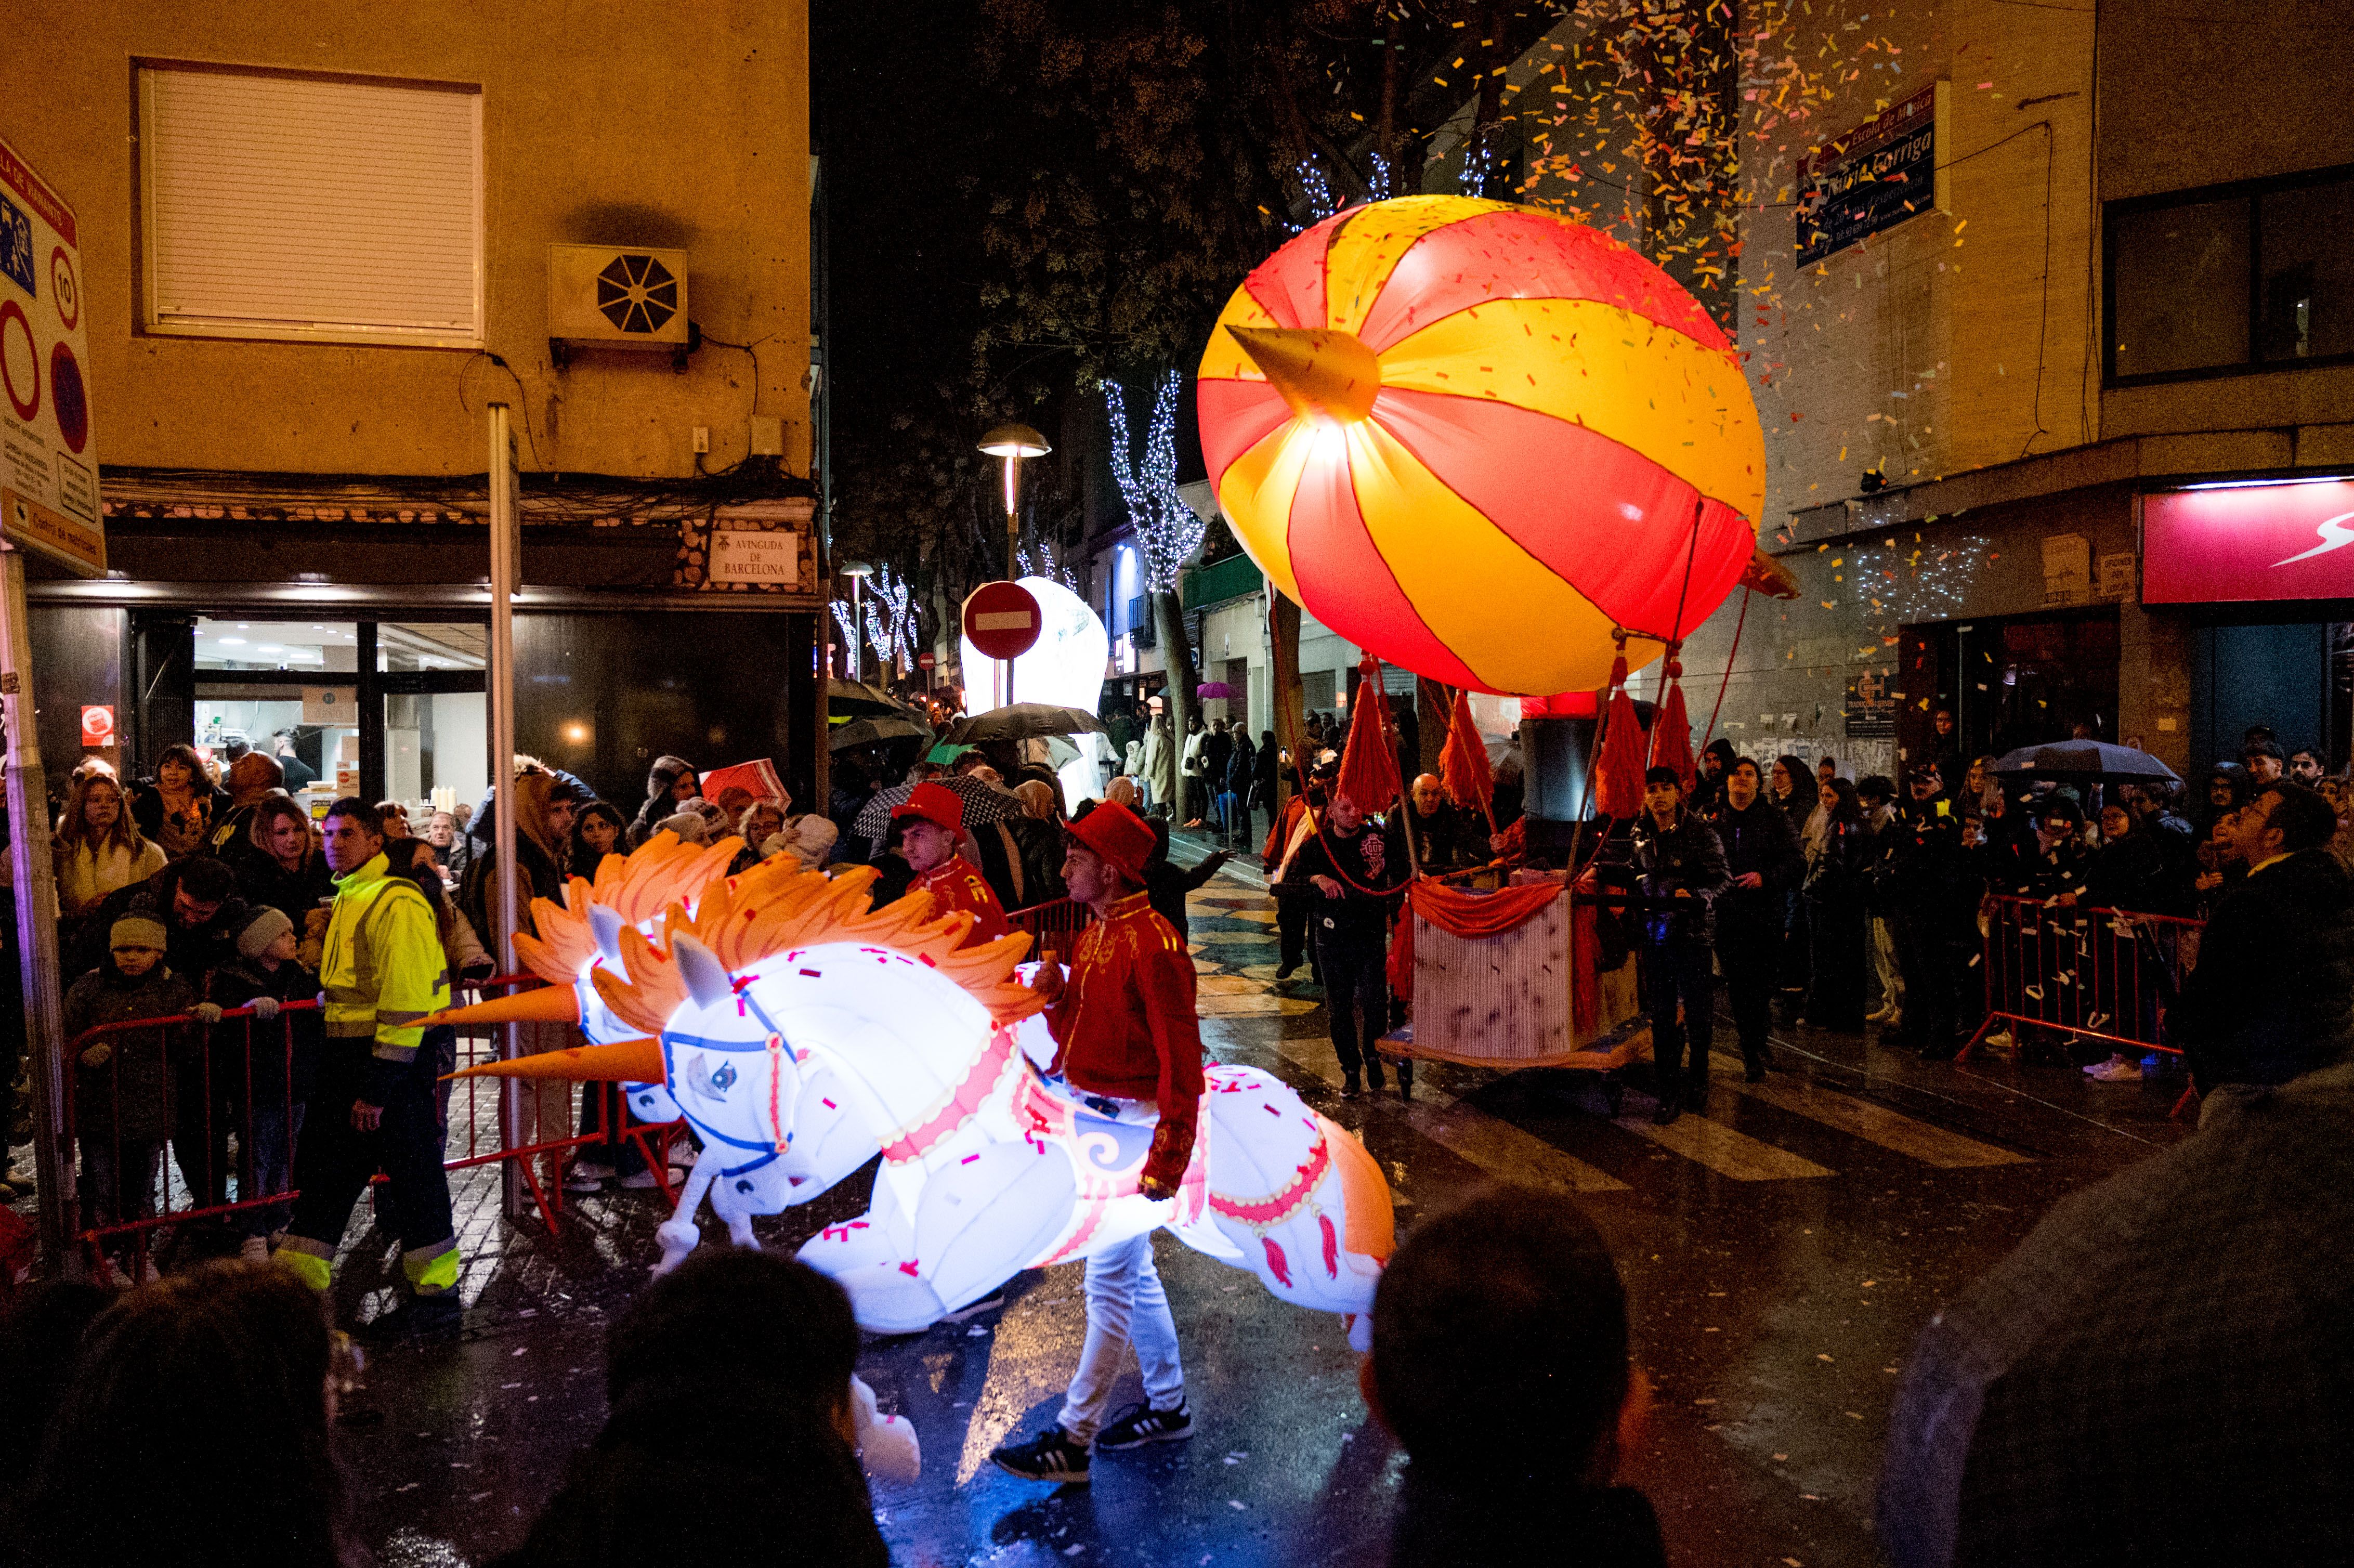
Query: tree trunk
{"x":1288,"y":702}
{"x":1434,"y":705}
{"x":1177,"y":659}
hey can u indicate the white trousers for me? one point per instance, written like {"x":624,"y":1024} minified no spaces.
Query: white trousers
{"x":1126,"y":1307}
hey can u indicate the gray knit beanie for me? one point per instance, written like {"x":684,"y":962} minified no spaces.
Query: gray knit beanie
{"x":266,"y":925}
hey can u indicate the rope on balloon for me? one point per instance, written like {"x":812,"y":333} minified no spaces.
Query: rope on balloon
{"x":1738,"y":622}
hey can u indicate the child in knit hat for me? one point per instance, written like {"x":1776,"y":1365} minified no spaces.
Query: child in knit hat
{"x":268,"y":1059}
{"x":122,"y":1089}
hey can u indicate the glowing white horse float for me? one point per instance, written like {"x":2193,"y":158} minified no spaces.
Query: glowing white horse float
{"x":799,"y":1033}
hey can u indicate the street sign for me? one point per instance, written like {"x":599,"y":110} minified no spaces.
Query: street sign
{"x":98,"y":727}
{"x":927,"y":660}
{"x":49,"y":461}
{"x":1002,"y":619}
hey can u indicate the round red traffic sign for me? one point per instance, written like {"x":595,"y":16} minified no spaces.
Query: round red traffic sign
{"x":927,"y":660}
{"x":1002,"y":619}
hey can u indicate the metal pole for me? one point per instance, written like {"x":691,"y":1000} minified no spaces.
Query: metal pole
{"x":506,"y":552}
{"x":34,"y":873}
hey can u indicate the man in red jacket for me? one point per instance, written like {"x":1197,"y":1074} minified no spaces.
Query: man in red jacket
{"x":931,"y":821}
{"x":1126,"y":1031}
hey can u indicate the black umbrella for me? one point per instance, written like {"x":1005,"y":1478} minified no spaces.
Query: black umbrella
{"x":2087,"y":759}
{"x":858,"y":697}
{"x":1022,"y":721}
{"x":873,"y":731}
{"x":983,"y":803}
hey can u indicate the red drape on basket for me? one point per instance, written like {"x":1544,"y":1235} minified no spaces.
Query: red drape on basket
{"x":1479,"y":916}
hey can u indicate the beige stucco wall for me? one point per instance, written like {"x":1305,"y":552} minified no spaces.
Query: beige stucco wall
{"x":683,"y":127}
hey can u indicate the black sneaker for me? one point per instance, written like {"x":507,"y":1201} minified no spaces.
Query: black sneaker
{"x":1350,"y":1086}
{"x":1405,"y":1080}
{"x":1141,"y":1423}
{"x":1285,"y":972}
{"x":1374,"y":1075}
{"x":1672,"y":1109}
{"x":1049,"y":1456}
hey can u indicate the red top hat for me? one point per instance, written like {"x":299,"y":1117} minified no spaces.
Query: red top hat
{"x":1119,"y":836}
{"x":935,"y":803}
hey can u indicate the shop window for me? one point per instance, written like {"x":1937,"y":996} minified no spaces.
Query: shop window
{"x":431,"y":645}
{"x":2231,"y":279}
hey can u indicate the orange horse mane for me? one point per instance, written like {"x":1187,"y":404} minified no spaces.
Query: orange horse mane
{"x":776,"y":907}
{"x":664,"y":871}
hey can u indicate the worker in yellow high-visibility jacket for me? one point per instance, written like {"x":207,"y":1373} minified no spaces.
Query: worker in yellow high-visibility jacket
{"x":383,"y":971}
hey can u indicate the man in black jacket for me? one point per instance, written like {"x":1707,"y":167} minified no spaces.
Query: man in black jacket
{"x":2275,"y":971}
{"x":1358,"y":872}
{"x":1678,"y":857}
{"x":1444,"y":837}
{"x":1935,"y":886}
{"x":1764,"y":858}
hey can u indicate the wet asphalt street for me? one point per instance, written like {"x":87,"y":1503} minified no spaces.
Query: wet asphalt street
{"x":1780,"y":1253}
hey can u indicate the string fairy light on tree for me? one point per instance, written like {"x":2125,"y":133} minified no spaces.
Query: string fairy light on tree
{"x":899,"y":615}
{"x":846,"y":619}
{"x":1167,"y":531}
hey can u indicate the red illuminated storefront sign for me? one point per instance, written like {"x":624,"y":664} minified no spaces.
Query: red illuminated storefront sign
{"x":2242,"y":542}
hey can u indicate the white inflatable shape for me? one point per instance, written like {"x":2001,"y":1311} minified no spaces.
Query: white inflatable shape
{"x":1063,"y":667}
{"x":988,"y":1167}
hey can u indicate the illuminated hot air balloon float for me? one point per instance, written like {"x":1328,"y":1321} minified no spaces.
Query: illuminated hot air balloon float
{"x":799,"y":1032}
{"x":1483,"y":442}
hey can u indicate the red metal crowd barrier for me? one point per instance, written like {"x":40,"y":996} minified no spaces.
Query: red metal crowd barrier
{"x":192,"y":1091}
{"x":1055,"y":925}
{"x":2110,"y":975}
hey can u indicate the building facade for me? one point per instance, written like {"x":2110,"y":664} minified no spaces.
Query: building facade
{"x":312,"y":256}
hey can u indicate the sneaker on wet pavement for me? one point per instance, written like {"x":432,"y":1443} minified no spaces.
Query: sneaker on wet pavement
{"x":639,"y":1180}
{"x":2116,"y":1070}
{"x":1141,"y":1423}
{"x":1049,"y":1456}
{"x":1672,"y":1109}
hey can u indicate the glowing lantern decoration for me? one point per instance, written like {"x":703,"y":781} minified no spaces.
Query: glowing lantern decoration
{"x":1480,"y":440}
{"x":801,"y":1030}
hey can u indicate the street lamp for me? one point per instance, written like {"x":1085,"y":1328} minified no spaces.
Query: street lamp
{"x":857,"y":572}
{"x":1013,"y":442}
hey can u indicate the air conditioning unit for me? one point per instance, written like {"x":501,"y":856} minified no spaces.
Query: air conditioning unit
{"x":628,"y":297}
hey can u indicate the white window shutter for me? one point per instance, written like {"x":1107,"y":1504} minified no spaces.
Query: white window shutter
{"x":289,"y":206}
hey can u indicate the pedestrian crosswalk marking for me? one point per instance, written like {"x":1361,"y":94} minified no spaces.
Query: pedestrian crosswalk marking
{"x":1875,"y":1124}
{"x":1489,"y":1142}
{"x":1256,"y":916}
{"x":1723,"y":1151}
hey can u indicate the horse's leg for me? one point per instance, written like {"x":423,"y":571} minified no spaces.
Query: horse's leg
{"x":678,"y":1234}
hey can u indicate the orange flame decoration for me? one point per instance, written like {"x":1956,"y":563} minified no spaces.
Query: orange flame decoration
{"x":777,"y":907}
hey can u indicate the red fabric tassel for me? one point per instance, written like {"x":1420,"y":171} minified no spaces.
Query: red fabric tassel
{"x":1369,"y":770}
{"x":1672,"y":731}
{"x":1618,"y":775}
{"x":1332,"y":1247}
{"x":1277,"y":1261}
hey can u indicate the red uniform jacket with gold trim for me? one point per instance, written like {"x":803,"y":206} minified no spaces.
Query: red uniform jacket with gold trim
{"x":1126,"y":1026}
{"x":954,"y":884}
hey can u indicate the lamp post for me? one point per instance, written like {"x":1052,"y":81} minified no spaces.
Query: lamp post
{"x":857,"y":572}
{"x":1013,"y":442}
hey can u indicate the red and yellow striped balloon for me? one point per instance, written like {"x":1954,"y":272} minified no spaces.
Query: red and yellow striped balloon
{"x":1474,"y":437}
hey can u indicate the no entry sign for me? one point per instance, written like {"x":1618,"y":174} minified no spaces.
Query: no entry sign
{"x":1002,"y":619}
{"x":927,"y":660}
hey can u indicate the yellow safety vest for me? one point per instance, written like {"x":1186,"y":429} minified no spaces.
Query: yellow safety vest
{"x":384,"y":967}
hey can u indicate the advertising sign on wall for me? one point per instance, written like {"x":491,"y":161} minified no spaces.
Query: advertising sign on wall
{"x":49,"y":458}
{"x":2248,"y":543}
{"x":1876,"y":176}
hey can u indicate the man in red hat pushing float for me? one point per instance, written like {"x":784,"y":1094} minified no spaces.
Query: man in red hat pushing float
{"x":931,"y":819}
{"x":1127,"y":1032}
